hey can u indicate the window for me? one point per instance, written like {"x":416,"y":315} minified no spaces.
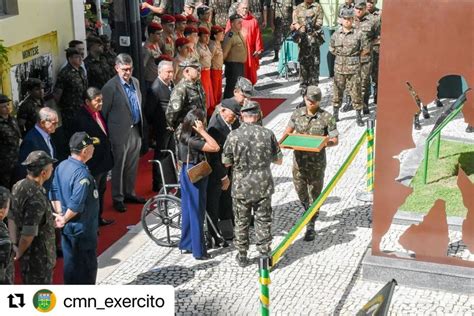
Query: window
{"x":2,"y":7}
{"x":8,"y":7}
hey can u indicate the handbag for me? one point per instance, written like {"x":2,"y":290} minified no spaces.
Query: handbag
{"x":199,"y":171}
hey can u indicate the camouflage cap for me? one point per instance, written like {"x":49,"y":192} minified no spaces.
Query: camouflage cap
{"x":38,"y":158}
{"x":235,"y":17}
{"x":251,"y":107}
{"x":313,"y":93}
{"x":191,"y":62}
{"x":360,"y":4}
{"x":245,"y":86}
{"x":4,"y":98}
{"x":347,"y":13}
{"x":81,"y":140}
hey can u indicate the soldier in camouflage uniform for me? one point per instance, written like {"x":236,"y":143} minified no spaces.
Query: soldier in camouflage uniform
{"x":377,"y":13}
{"x":70,"y":86}
{"x":309,"y":167}
{"x":367,"y":24}
{"x":307,"y":21}
{"x":32,"y":218}
{"x":7,"y":252}
{"x":348,"y":45}
{"x":98,"y":70}
{"x":186,"y":96}
{"x":28,"y":109}
{"x":281,"y":20}
{"x":109,"y":54}
{"x":9,"y":142}
{"x":250,"y":150}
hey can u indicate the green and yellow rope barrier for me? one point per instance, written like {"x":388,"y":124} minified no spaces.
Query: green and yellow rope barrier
{"x":314,"y":208}
{"x":263,"y":265}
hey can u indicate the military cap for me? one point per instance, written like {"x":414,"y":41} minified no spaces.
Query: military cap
{"x":360,"y":4}
{"x":71,"y":51}
{"x":155,"y":26}
{"x":347,"y":13}
{"x":181,"y":42}
{"x":5,"y":196}
{"x":190,"y":3}
{"x":166,"y":18}
{"x":191,"y":19}
{"x":245,"y":86}
{"x":251,"y":107}
{"x":232,"y":105}
{"x":179,"y":18}
{"x":38,"y":159}
{"x":190,"y":62}
{"x":203,"y":30}
{"x":313,"y":93}
{"x":4,"y":98}
{"x":235,"y":17}
{"x":202,"y":9}
{"x":81,"y":140}
{"x":216,"y":29}
{"x":190,"y":29}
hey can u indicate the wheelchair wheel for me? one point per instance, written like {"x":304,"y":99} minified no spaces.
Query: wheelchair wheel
{"x":161,"y":219}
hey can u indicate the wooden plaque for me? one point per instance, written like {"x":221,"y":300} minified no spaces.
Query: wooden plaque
{"x":303,"y":142}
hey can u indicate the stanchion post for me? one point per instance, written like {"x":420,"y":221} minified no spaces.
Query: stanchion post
{"x":370,"y":155}
{"x":263,"y":266}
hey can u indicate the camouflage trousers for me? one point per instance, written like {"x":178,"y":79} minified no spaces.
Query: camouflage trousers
{"x":375,"y":68}
{"x":365,"y":72}
{"x":309,"y":59}
{"x":349,"y":83}
{"x":308,"y":184}
{"x":32,"y":273}
{"x":263,"y":224}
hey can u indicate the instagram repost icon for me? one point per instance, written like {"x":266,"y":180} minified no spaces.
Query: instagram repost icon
{"x":44,"y":301}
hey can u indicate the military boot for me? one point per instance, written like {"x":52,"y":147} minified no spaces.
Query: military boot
{"x":416,"y":122}
{"x":426,"y":114}
{"x":359,"y":120}
{"x":365,"y":109}
{"x":242,"y":260}
{"x":347,"y":104}
{"x":439,"y":103}
{"x":335,"y":113}
{"x":470,"y":129}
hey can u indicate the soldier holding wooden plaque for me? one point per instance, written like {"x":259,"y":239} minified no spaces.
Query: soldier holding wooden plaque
{"x":309,"y":131}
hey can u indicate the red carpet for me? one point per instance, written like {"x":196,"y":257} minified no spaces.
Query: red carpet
{"x":112,"y":233}
{"x":268,"y":104}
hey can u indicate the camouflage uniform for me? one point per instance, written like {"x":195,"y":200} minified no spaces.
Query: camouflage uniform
{"x":309,"y":55}
{"x":98,"y":71}
{"x":250,"y":149}
{"x":9,"y":149}
{"x":110,"y":58}
{"x":186,"y":96}
{"x":73,"y":83}
{"x":376,"y":53}
{"x":32,"y":213}
{"x":282,"y":11}
{"x":309,"y":167}
{"x":347,"y":48}
{"x":6,"y":255}
{"x":28,"y":114}
{"x":368,"y":26}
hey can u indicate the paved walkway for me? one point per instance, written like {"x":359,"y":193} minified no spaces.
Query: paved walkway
{"x":317,"y":278}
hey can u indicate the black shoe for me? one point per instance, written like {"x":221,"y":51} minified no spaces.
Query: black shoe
{"x":242,"y":261}
{"x":470,"y":129}
{"x":309,"y":235}
{"x":105,"y":222}
{"x":365,"y":109}
{"x":204,"y":257}
{"x":135,"y":199}
{"x":359,"y":120}
{"x":416,"y":123}
{"x":119,"y":206}
{"x":426,"y":114}
{"x":276,"y":58}
{"x":439,"y":103}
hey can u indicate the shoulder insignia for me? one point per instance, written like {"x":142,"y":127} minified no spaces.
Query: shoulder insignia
{"x":84,"y":181}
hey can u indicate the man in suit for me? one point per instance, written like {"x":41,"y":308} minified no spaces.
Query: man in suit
{"x":157,"y":101}
{"x":39,"y":138}
{"x":123,"y":115}
{"x":219,"y":201}
{"x":90,"y":120}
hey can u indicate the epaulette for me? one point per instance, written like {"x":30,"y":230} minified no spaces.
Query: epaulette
{"x":231,"y":34}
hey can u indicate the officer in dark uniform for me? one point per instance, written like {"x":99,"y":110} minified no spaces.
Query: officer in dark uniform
{"x":32,"y":217}
{"x":9,"y":142}
{"x":309,"y":167}
{"x":250,"y":150}
{"x":6,"y":245}
{"x":75,"y":197}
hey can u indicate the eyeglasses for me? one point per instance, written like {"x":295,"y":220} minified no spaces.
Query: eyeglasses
{"x":127,"y":69}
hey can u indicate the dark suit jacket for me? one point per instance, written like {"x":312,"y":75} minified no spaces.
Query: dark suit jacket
{"x":158,"y":97}
{"x":116,"y":110}
{"x":219,"y":131}
{"x":32,"y":141}
{"x":102,"y":160}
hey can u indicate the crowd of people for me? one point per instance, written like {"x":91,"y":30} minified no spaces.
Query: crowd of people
{"x":56,"y":162}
